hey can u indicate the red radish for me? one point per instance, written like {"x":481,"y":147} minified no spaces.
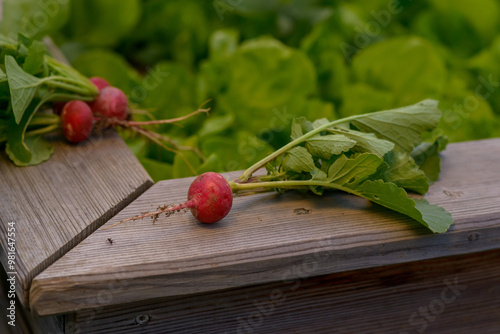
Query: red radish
{"x":111,"y":103}
{"x":210,"y":199}
{"x":100,"y":83}
{"x":77,"y":121}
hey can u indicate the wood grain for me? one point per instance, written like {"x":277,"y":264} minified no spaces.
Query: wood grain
{"x":262,"y":238}
{"x":58,"y":203}
{"x":373,"y":301}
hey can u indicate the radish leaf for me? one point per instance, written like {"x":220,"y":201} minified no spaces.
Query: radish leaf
{"x":345,"y":171}
{"x":23,"y":87}
{"x":34,"y":59}
{"x":299,"y":160}
{"x":403,"y":126}
{"x":404,"y":172}
{"x":366,"y":142}
{"x":325,"y":146}
{"x":391,"y":196}
{"x":40,"y":149}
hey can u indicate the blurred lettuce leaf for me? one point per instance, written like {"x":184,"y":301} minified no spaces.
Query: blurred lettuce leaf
{"x":175,"y":29}
{"x":156,"y":169}
{"x":236,"y":154}
{"x":33,"y":18}
{"x":102,"y":23}
{"x":111,"y":66}
{"x":360,"y":98}
{"x":407,"y":66}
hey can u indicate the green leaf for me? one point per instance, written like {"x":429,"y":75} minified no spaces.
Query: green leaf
{"x":391,"y":196}
{"x":403,"y":126}
{"x":158,"y":170}
{"x":33,"y":18}
{"x":40,"y":149}
{"x":22,"y":150}
{"x":115,"y":69}
{"x":320,"y":122}
{"x":181,"y":168}
{"x":360,"y":98}
{"x":325,"y":146}
{"x":298,"y":159}
{"x":300,"y":125}
{"x":318,"y":175}
{"x":211,"y":164}
{"x":3,"y":76}
{"x":216,"y":124}
{"x":426,"y":155}
{"x":409,"y":67}
{"x":243,"y":150}
{"x":266,"y":74}
{"x":351,"y":172}
{"x":223,"y":43}
{"x":366,"y":142}
{"x":404,"y":172}
{"x":35,"y":58}
{"x":23,"y":87}
{"x":15,"y":134}
{"x":102,"y":23}
{"x":3,"y":130}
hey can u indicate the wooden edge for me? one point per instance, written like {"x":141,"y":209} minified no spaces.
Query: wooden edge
{"x":325,"y":257}
{"x":377,"y":300}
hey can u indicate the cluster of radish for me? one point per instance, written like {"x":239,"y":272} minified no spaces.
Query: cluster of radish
{"x":78,"y":117}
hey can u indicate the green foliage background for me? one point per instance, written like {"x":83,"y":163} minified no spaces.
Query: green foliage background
{"x":263,"y":62}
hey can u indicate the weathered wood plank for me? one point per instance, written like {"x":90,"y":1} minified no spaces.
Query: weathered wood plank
{"x":405,"y":299}
{"x":262,"y":237}
{"x":58,"y":203}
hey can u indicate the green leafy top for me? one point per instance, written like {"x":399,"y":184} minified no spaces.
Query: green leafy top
{"x":28,"y":79}
{"x":377,"y":156}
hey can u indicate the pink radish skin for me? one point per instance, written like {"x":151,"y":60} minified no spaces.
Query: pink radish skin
{"x":77,"y":121}
{"x":111,"y":103}
{"x":210,"y":197}
{"x":100,"y":83}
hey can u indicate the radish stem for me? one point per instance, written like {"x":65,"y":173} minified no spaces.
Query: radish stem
{"x":293,"y":184}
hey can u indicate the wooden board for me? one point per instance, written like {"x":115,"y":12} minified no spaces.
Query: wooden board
{"x":58,"y":203}
{"x":406,"y":298}
{"x":262,"y":238}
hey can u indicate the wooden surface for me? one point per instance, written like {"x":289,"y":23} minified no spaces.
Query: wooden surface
{"x":58,"y":203}
{"x":262,"y":238}
{"x":376,"y":300}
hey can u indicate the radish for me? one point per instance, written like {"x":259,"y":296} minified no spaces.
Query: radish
{"x":77,"y":121}
{"x":111,"y":103}
{"x":210,"y":199}
{"x":100,"y":83}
